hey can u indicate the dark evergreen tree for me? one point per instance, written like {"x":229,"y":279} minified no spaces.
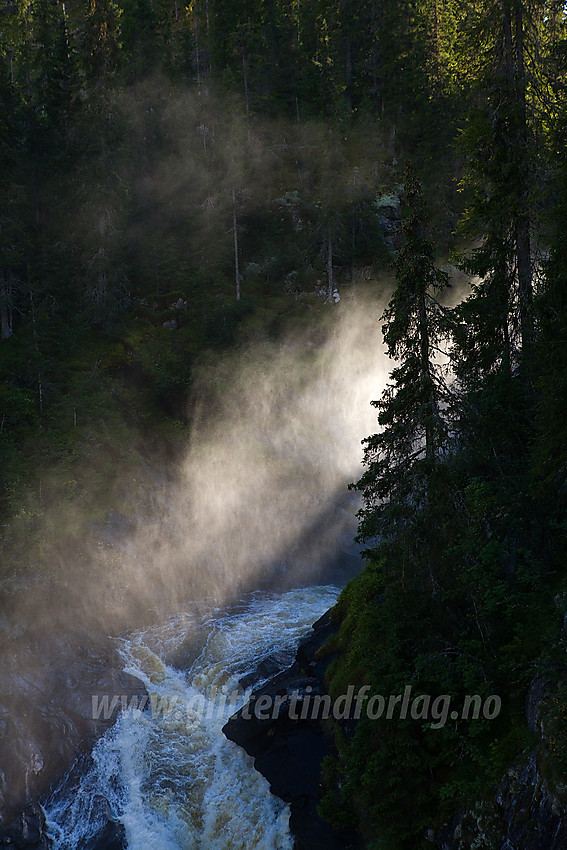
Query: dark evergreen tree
{"x":402,"y":460}
{"x":549,"y":449}
{"x":101,"y":44}
{"x":503,"y":161}
{"x":13,"y":229}
{"x":56,"y":82}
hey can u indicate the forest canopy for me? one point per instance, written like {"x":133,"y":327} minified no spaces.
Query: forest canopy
{"x":176,"y":176}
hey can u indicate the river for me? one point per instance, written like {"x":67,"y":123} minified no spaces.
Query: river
{"x":258,"y":534}
{"x":167,"y":773}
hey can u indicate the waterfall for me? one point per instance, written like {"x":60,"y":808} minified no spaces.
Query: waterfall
{"x":165,"y":771}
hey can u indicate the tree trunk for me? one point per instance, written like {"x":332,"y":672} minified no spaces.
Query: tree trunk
{"x":208,"y":45}
{"x":525,"y":294}
{"x":427,"y":382}
{"x":522,"y":228}
{"x":374,"y":54}
{"x":330,"y":281}
{"x":503,"y":305}
{"x":436,"y":36}
{"x":508,"y":45}
{"x":246,"y":101}
{"x":513,"y":22}
{"x":353,"y":226}
{"x":235,"y":233}
{"x":348,"y":75}
{"x":5,"y":307}
{"x":197,"y":58}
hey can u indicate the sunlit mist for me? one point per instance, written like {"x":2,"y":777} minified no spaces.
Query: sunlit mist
{"x":261,"y":495}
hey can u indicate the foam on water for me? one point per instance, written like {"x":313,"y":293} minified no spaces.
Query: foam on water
{"x":169,"y":775}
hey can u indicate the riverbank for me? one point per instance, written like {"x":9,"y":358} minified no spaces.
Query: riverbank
{"x":290,"y":739}
{"x":289,"y":743}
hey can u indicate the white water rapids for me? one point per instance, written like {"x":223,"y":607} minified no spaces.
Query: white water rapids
{"x":260,"y":500}
{"x":171,"y":777}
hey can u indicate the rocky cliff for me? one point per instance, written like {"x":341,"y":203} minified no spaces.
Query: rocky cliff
{"x":288,"y":749}
{"x":288,"y":743}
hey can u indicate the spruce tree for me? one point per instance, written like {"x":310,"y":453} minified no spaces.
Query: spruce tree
{"x":403,"y":458}
{"x":507,"y":83}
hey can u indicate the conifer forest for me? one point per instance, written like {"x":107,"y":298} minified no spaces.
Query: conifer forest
{"x":191,"y":185}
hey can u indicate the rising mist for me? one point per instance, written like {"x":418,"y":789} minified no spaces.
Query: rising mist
{"x":259,"y":497}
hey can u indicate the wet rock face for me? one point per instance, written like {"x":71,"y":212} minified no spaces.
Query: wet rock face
{"x":389,"y":221}
{"x":268,"y":668}
{"x":288,"y":749}
{"x":524,"y":815}
{"x":26,"y":831}
{"x":113,"y":837}
{"x":533,"y":817}
{"x":47,"y":685}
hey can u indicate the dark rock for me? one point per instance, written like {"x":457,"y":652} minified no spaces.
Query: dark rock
{"x":288,"y":749}
{"x":307,"y":659}
{"x":389,"y":220}
{"x":535,"y":695}
{"x":184,"y":655}
{"x":293,"y":764}
{"x":112,"y":837}
{"x":391,"y":211}
{"x":312,"y":833}
{"x":531,"y":815}
{"x":26,"y":831}
{"x":255,"y":725}
{"x":524,"y":815}
{"x":267,"y":668}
